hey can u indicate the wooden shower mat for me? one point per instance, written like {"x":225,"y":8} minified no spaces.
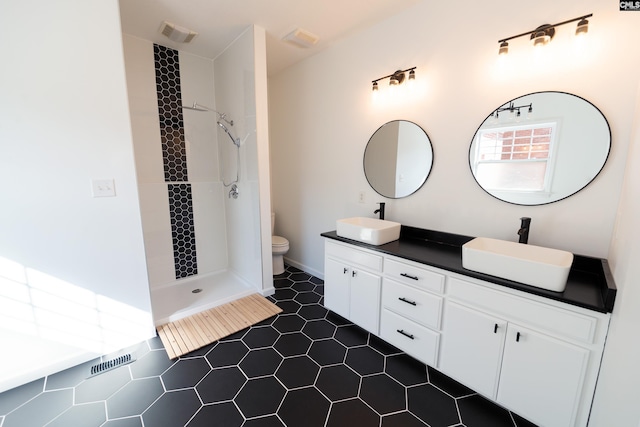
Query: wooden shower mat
{"x":191,"y":333}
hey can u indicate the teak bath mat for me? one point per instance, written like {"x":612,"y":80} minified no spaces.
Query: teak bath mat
{"x":191,"y":333}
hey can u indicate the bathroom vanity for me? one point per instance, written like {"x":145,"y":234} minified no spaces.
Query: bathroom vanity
{"x":533,"y":351}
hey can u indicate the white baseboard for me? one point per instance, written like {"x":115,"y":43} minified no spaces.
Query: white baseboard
{"x":306,"y":269}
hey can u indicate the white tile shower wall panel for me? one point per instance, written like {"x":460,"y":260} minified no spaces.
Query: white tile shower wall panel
{"x":242,"y":234}
{"x":156,"y":226}
{"x":200,"y":127}
{"x":143,"y":104}
{"x":211,"y":234}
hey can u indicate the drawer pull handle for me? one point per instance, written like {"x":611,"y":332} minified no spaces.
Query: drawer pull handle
{"x":495,"y":328}
{"x":518,"y":337}
{"x":400,"y":331}
{"x":407,"y":301}
{"x":409,"y":276}
{"x":354,"y":273}
{"x":345,"y":270}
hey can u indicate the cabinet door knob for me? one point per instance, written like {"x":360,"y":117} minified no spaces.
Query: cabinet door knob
{"x":410,"y":336}
{"x":409,"y":276}
{"x":407,"y":301}
{"x":518,"y":337}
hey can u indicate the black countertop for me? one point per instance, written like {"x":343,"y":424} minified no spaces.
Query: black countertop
{"x":590,"y":283}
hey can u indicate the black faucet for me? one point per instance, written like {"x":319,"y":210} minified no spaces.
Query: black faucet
{"x":380,"y":211}
{"x":524,"y":229}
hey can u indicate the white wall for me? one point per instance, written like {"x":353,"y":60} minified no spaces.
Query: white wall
{"x":238,"y":71}
{"x":72,"y":267}
{"x":617,"y":391}
{"x":322,"y":116}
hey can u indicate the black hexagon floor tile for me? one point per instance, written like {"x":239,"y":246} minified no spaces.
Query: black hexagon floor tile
{"x":365,"y":360}
{"x":304,"y":407}
{"x":260,"y":362}
{"x":312,"y":312}
{"x":227,"y":353}
{"x":222,"y":414}
{"x":259,"y":337}
{"x":448,"y":385}
{"x":221,"y":384}
{"x":172,"y":409}
{"x":260,"y":396}
{"x":289,"y":323}
{"x":406,"y":370}
{"x":352,"y":413}
{"x":338,"y":382}
{"x":293,"y":344}
{"x":288,"y":306}
{"x":296,"y":372}
{"x":318,"y":329}
{"x":270,"y":421}
{"x":134,"y":398}
{"x":308,"y":366}
{"x":402,"y":419}
{"x":383,"y":394}
{"x":476,"y":411}
{"x":327,"y":352}
{"x":445,"y":416}
{"x":351,"y":335}
{"x":185,"y":373}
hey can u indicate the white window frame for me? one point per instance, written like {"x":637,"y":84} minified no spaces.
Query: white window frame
{"x":546,"y":187}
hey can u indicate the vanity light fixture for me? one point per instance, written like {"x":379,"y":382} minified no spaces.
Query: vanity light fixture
{"x":544,"y":33}
{"x":513,"y":111}
{"x":396,"y":78}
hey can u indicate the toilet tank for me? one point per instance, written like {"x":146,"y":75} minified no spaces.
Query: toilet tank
{"x":273,"y":222}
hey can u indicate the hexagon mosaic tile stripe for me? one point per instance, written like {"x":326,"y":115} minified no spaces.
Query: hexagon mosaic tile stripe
{"x":183,"y":230}
{"x":174,"y":151}
{"x":305,"y":367}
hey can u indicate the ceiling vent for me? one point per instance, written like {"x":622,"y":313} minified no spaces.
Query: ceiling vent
{"x":177,"y":33}
{"x":301,"y":38}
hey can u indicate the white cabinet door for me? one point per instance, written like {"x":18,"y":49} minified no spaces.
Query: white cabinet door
{"x":541,"y":377}
{"x":364,"y":300}
{"x":336,"y":287}
{"x":471,"y":347}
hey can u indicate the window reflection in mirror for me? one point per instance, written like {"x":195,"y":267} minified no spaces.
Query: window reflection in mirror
{"x":398,"y":159}
{"x":548,"y":156}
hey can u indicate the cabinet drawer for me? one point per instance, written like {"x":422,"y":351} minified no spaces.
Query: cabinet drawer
{"x":413,"y":303}
{"x":414,"y":339}
{"x":354,"y":256}
{"x":414,"y":276}
{"x":542,"y":316}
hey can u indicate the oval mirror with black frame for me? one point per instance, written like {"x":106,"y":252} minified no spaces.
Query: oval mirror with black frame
{"x":398,"y":159}
{"x":540,"y":148}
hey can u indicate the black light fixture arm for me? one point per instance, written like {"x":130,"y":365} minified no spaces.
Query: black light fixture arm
{"x":546,"y":26}
{"x":396,"y":74}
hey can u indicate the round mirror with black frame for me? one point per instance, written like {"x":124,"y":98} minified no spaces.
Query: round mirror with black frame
{"x":398,"y":159}
{"x":540,"y":148}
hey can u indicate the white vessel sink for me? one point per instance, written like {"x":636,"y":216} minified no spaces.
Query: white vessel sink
{"x":532,"y":265}
{"x":368,"y":230}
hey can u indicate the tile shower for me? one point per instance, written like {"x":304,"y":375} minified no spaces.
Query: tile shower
{"x":193,"y":238}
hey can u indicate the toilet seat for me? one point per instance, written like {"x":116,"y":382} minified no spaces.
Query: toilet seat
{"x":279,"y":241}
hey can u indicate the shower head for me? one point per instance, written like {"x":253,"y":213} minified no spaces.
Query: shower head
{"x":236,"y":141}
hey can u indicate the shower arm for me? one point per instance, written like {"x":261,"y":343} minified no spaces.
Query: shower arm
{"x":200,"y":107}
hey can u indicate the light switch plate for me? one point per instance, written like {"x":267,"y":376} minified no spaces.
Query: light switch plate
{"x":103,"y":188}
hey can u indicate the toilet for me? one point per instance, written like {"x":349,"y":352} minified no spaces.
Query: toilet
{"x":279,"y":247}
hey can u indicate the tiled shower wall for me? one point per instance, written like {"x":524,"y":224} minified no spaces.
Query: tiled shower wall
{"x":181,"y":196}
